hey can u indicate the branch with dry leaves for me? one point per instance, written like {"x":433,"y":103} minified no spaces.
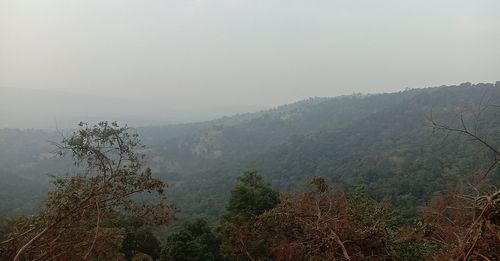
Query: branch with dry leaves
{"x":465,"y":223}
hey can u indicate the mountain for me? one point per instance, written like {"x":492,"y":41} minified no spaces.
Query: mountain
{"x":383,"y":142}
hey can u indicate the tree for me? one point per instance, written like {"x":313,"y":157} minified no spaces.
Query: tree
{"x":240,"y":237}
{"x":194,"y":242}
{"x":324,"y":224}
{"x":251,"y":197}
{"x":465,"y":221}
{"x":138,"y":237}
{"x":70,"y":224}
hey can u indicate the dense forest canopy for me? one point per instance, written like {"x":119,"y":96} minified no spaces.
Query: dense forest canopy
{"x":383,"y":142}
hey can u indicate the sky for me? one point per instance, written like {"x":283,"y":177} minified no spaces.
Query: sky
{"x":205,"y":54}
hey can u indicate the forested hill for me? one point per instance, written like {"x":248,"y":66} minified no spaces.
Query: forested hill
{"x":383,"y":142}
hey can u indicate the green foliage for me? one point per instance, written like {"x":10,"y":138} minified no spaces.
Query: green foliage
{"x":139,"y":237}
{"x":240,"y":235}
{"x":142,"y":257}
{"x":416,"y":250}
{"x":251,"y":197}
{"x":195,"y":241}
{"x":140,"y":240}
{"x":365,"y":210}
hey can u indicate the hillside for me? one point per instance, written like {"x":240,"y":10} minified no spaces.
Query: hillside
{"x":383,"y":142}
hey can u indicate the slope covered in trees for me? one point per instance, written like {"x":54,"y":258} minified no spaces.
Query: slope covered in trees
{"x":383,"y":142}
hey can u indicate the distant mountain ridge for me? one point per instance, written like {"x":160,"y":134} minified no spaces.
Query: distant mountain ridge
{"x":47,"y":109}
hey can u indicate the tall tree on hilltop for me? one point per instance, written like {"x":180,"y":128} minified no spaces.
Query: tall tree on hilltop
{"x":241,"y":238}
{"x":195,"y":241}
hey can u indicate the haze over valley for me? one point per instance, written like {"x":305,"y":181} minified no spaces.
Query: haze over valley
{"x":221,"y":130}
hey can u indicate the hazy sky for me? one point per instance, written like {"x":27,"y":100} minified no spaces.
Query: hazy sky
{"x":203,"y":53}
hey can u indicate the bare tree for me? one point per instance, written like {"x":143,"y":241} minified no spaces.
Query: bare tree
{"x":466,"y":221}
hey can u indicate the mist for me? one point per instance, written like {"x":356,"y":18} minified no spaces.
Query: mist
{"x":249,"y":130}
{"x":176,"y":61}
